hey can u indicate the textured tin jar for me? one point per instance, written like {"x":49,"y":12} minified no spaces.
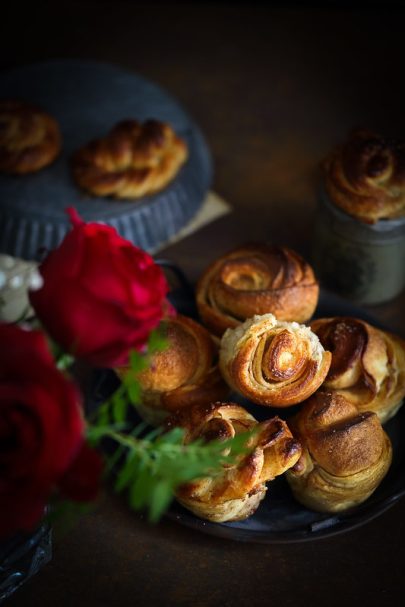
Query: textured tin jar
{"x":364,"y":262}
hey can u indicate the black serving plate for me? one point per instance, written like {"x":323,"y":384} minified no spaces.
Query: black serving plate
{"x":280,"y":518}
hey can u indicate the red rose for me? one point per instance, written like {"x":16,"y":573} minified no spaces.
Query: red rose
{"x":41,"y":431}
{"x":81,"y":481}
{"x":101,"y":295}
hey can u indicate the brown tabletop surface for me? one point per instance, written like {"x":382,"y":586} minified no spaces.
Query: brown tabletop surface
{"x":272,"y":88}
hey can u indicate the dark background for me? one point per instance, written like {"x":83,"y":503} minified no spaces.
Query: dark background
{"x":277,"y":86}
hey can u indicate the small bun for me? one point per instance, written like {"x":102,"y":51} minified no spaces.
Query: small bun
{"x":368,"y":364}
{"x":273,"y":363}
{"x":345,"y":454}
{"x":132,"y":161}
{"x":182,"y":374}
{"x":256,"y":279}
{"x":236,"y":492}
{"x":365,"y":176}
{"x":29,"y":138}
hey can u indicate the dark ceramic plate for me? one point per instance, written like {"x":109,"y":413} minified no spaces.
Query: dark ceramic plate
{"x":280,"y":518}
{"x":87,"y":98}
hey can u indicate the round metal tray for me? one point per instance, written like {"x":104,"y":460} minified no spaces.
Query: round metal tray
{"x":87,"y":99}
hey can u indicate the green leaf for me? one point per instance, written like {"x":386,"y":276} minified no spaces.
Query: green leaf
{"x":138,"y":429}
{"x":137,"y":362}
{"x":103,"y":415}
{"x":112,"y":460}
{"x":160,"y":500}
{"x":156,"y":464}
{"x":95,"y":433}
{"x":64,"y":514}
{"x":134,"y":392}
{"x":64,"y":361}
{"x":127,"y":472}
{"x":157,"y":341}
{"x":119,"y":406}
{"x":141,"y":488}
{"x":173,"y":437}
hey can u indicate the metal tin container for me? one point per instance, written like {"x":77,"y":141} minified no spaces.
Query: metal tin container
{"x":363,"y":262}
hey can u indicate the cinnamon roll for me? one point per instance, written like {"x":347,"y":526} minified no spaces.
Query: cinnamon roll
{"x":368,"y":365}
{"x":256,"y":279}
{"x":365,"y":176}
{"x":132,"y":161}
{"x":273,"y":363}
{"x":181,"y":375}
{"x":345,"y":454}
{"x":29,"y":137}
{"x":236,"y":492}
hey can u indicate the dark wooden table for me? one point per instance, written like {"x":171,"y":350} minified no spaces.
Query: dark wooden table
{"x":272,"y":89}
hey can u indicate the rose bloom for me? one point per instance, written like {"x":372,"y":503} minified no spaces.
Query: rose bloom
{"x":41,"y":432}
{"x":101,"y":295}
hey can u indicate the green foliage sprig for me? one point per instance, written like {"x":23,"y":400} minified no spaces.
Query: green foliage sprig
{"x":150,"y":465}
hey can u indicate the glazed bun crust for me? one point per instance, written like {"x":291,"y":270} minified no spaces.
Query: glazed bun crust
{"x":132,"y":161}
{"x":29,"y":138}
{"x":365,"y":176}
{"x":368,"y":364}
{"x":236,"y":492}
{"x":256,"y":279}
{"x":345,"y":454}
{"x":273,"y":363}
{"x":181,"y":375}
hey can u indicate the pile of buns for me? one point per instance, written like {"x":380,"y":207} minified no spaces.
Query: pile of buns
{"x":255,"y":338}
{"x":133,"y":160}
{"x":343,"y":378}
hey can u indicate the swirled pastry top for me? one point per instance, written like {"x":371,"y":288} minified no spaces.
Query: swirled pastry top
{"x":132,"y":161}
{"x":365,"y":176}
{"x":29,"y":137}
{"x":256,"y":279}
{"x":273,"y":363}
{"x":236,"y":491}
{"x":345,"y":453}
{"x":368,"y":364}
{"x":184,"y":373}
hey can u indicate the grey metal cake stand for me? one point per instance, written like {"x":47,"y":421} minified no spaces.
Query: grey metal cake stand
{"x":87,"y":99}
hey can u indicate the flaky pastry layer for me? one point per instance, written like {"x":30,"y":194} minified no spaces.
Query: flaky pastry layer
{"x":345,"y":454}
{"x":273,"y":363}
{"x":184,"y":373}
{"x":256,"y":279}
{"x":368,"y":364}
{"x":236,"y":491}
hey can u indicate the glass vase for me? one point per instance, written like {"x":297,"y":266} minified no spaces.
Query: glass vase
{"x":21,"y":557}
